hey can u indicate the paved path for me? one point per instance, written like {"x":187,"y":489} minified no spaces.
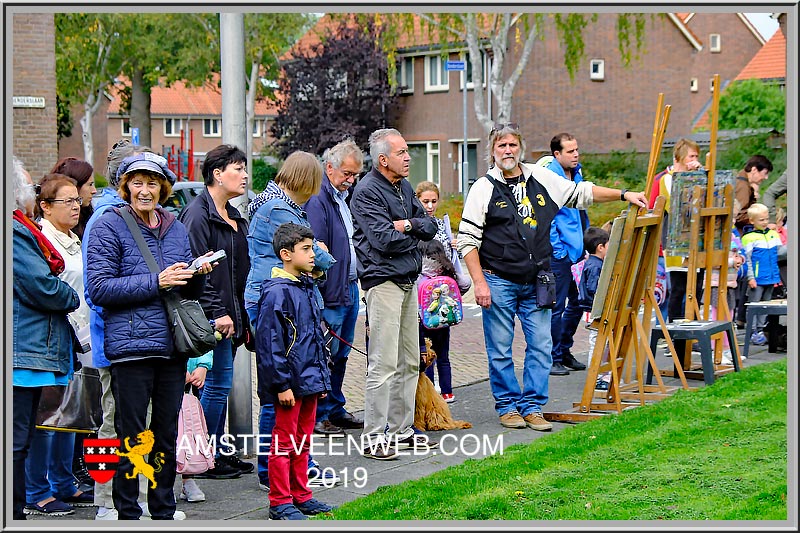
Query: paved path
{"x":241,"y":499}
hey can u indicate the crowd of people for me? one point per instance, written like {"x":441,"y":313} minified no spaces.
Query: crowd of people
{"x":295,"y":269}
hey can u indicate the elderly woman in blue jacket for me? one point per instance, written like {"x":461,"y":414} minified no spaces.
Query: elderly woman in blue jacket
{"x":138,"y":342}
{"x":43,"y":337}
{"x":298,"y":180}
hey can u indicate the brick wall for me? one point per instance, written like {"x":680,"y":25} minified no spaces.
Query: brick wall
{"x":34,"y":74}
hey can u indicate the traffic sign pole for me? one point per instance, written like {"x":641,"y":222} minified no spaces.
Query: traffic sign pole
{"x":461,"y":66}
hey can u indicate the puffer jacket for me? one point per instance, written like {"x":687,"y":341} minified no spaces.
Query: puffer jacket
{"x":119,"y":280}
{"x":290,"y":351}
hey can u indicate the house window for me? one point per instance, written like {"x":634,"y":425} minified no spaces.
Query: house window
{"x":256,"y":128}
{"x":211,"y":127}
{"x":468,"y":72}
{"x":597,"y":69}
{"x":436,"y":77}
{"x":472,"y":163}
{"x":126,"y":127}
{"x":715,"y":42}
{"x":424,"y":162}
{"x":405,"y":75}
{"x":711,"y":85}
{"x":693,"y":85}
{"x":173,"y":127}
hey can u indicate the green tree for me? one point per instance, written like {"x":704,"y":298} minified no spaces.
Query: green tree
{"x":496,"y":34}
{"x":752,"y":104}
{"x":88,"y":57}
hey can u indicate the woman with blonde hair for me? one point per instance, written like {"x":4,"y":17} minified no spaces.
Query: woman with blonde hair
{"x":299,"y":178}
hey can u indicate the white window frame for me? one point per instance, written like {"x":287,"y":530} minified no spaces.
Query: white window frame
{"x":125,"y":127}
{"x":256,"y":127}
{"x":693,"y":85}
{"x":484,"y":71}
{"x":431,"y":151}
{"x":216,"y":130}
{"x":176,"y":132}
{"x":405,"y":71}
{"x":715,"y":43}
{"x":711,"y":85}
{"x":444,"y":83}
{"x":597,"y":69}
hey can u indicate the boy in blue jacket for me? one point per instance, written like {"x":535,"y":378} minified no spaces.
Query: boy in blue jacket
{"x":762,"y":248}
{"x":292,"y":370}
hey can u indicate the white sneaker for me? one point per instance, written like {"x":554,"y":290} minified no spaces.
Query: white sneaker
{"x":179,"y":515}
{"x":726,"y":357}
{"x":104,"y":513}
{"x":191,"y":492}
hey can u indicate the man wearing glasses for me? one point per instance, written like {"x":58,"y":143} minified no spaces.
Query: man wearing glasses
{"x":330,"y":218}
{"x":389,"y":223}
{"x":504,"y":237}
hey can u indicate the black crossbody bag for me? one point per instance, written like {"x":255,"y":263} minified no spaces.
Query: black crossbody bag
{"x":192,"y":334}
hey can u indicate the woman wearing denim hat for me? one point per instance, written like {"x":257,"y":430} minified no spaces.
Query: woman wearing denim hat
{"x":138,"y":341}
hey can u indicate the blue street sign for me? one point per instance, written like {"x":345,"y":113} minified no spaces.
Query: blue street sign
{"x":135,"y":135}
{"x":455,"y":65}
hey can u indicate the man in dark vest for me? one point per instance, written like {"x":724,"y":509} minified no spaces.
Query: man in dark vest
{"x":504,"y":237}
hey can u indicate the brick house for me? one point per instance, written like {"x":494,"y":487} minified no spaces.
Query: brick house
{"x":33,"y":92}
{"x":607,"y":106}
{"x":172,"y":110}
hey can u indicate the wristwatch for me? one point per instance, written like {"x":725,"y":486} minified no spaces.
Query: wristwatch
{"x":622,"y":194}
{"x":407,"y":226}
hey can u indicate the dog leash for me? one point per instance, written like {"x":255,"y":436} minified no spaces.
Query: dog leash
{"x":330,"y":330}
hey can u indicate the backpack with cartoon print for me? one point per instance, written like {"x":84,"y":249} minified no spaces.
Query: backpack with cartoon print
{"x":439,"y":302}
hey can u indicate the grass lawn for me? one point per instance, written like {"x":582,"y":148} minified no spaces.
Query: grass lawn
{"x":716,"y":453}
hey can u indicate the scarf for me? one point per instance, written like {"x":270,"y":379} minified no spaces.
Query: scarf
{"x":271,"y":192}
{"x":51,"y":255}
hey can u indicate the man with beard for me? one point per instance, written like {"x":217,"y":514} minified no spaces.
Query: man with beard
{"x":504,"y":237}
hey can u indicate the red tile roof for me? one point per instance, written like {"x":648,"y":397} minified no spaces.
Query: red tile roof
{"x":180,"y":101}
{"x":769,"y":63}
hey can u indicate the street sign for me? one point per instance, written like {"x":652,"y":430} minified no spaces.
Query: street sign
{"x":455,"y":65}
{"x":135,"y":135}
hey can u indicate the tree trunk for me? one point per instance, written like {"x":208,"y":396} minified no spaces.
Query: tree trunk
{"x":140,"y":108}
{"x":90,"y":107}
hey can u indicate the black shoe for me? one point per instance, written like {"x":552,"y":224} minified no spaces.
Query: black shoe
{"x":380,"y":453}
{"x":234,"y":462}
{"x":559,"y":370}
{"x":348,"y":421}
{"x":572,"y":363}
{"x":326,"y":427}
{"x":417,"y":440}
{"x":221,"y":470}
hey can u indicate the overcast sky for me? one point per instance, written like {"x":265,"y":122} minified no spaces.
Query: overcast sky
{"x":765,"y":24}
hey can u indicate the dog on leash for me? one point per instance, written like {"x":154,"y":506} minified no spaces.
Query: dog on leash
{"x":431,"y":412}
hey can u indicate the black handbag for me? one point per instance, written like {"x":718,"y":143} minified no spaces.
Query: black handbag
{"x":545,"y":289}
{"x":76,"y":407}
{"x":192,"y":334}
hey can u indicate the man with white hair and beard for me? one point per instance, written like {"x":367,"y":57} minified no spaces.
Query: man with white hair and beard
{"x":330,"y":218}
{"x":504,"y":237}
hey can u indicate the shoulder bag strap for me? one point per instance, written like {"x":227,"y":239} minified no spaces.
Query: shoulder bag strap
{"x":136,"y":231}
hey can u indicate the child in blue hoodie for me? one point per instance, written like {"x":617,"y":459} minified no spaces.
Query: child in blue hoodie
{"x":292,"y":370}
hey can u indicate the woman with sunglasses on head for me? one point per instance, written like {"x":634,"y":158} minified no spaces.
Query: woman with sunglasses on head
{"x":50,"y":486}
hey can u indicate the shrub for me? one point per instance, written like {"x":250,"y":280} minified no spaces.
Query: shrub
{"x":263,"y":173}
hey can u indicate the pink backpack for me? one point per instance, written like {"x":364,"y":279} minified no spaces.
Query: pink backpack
{"x":194,"y":453}
{"x":439,"y":302}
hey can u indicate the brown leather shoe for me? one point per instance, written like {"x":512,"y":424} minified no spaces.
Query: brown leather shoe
{"x":512,"y":420}
{"x":348,"y":421}
{"x":326,"y":427}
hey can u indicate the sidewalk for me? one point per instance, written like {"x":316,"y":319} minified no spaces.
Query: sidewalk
{"x":241,"y":499}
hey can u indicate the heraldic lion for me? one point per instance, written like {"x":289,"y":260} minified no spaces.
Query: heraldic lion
{"x":136,"y":455}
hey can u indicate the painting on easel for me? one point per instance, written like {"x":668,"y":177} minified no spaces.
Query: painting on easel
{"x":680,"y":214}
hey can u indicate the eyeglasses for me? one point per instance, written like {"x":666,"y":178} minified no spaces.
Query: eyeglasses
{"x":499,"y":126}
{"x":68,"y":202}
{"x":347,"y":174}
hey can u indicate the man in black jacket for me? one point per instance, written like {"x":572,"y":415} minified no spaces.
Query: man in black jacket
{"x":389,"y":223}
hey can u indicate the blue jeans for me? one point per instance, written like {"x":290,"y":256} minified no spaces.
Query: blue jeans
{"x":48,"y":468}
{"x":565,"y":287}
{"x":215,"y":391}
{"x":508,"y":300}
{"x":342,"y":320}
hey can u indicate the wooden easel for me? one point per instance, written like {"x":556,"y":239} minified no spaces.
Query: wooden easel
{"x":619,"y":326}
{"x":707,"y":216}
